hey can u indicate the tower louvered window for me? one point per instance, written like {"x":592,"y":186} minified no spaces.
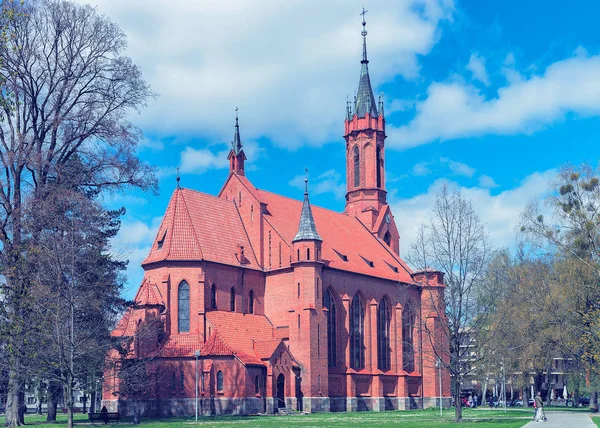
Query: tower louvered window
{"x":183,"y":307}
{"x":232,"y":300}
{"x":357,"y":334}
{"x":379,"y":166}
{"x":251,"y":302}
{"x":329,"y":303}
{"x":383,"y":336}
{"x":356,"y":167}
{"x":213,"y":297}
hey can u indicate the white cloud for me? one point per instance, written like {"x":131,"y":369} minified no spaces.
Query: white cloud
{"x":288,"y":68}
{"x":487,"y":182}
{"x":458,"y":168}
{"x":420,"y":169}
{"x":197,"y":161}
{"x":330,"y":181}
{"x":476,"y":66}
{"x":500,"y":213}
{"x":457,"y":110}
{"x":133,"y":243}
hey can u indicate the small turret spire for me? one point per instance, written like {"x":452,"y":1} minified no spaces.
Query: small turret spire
{"x":178,"y":178}
{"x":236,"y":144}
{"x":307,"y":230}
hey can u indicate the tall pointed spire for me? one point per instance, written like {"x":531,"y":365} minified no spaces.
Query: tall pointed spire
{"x":365,"y":101}
{"x":236,"y":155}
{"x":306,"y":229}
{"x":236,"y":144}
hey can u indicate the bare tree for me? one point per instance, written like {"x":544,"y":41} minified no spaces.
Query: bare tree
{"x":455,"y":243}
{"x":68,"y":92}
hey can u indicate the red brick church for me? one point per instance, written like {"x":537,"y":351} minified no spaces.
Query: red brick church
{"x":268,"y":302}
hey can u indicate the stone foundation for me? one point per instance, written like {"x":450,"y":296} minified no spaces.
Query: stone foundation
{"x":250,"y":406}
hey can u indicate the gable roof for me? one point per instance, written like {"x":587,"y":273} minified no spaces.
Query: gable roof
{"x":342,"y":235}
{"x":197,"y":226}
{"x":126,"y":326}
{"x":148,"y":295}
{"x":249,"y":337}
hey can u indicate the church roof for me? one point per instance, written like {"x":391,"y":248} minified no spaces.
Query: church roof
{"x":307,"y":229}
{"x":347,"y":243}
{"x":148,"y":295}
{"x":197,"y":226}
{"x":127,"y":325}
{"x":248,"y":336}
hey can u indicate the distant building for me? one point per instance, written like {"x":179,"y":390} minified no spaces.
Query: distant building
{"x":290,"y":306}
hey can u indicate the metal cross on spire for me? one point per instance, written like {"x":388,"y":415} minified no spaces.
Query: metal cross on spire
{"x":306,"y":181}
{"x":364,"y":34}
{"x":178,"y":177}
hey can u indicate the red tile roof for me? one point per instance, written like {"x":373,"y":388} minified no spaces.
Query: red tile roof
{"x":342,"y":235}
{"x":148,"y":295}
{"x":180,"y":345}
{"x":264,"y":349}
{"x":249,"y":336}
{"x":197,"y":226}
{"x":127,"y":324}
{"x":215,"y":345}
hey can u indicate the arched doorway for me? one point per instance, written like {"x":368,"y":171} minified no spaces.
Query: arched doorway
{"x":281,"y":391}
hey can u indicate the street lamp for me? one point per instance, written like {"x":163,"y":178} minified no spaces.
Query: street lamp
{"x":197,"y":354}
{"x":438,"y":364}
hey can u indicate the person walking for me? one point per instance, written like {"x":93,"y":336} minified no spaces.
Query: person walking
{"x":539,"y":408}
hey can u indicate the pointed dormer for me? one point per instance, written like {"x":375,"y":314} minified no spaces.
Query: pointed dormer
{"x":307,"y":242}
{"x":365,"y":137}
{"x":236,"y":154}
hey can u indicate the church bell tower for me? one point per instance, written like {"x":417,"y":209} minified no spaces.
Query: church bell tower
{"x":364,"y":132}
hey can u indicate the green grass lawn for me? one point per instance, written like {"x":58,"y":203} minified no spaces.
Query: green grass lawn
{"x":480,"y":418}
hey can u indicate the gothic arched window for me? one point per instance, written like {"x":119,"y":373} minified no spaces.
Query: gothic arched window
{"x":383,"y":336}
{"x":213,"y":297}
{"x":220,"y":381}
{"x":408,"y":351}
{"x":356,"y":167}
{"x":183,"y":307}
{"x":251,"y":302}
{"x":329,"y":303}
{"x":232,"y":300}
{"x":357,"y":334}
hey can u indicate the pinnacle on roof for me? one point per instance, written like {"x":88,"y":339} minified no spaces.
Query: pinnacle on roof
{"x":364,"y":101}
{"x":307,"y":229}
{"x":236,"y":144}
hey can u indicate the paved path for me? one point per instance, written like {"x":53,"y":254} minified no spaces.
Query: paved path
{"x":564,"y":420}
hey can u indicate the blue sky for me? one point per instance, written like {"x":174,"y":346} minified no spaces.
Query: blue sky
{"x":490,"y":97}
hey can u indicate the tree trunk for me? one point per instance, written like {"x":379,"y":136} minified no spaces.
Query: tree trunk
{"x":12,"y":398}
{"x":69,"y":399}
{"x":93,"y":402}
{"x":457,"y":401}
{"x":53,"y":394}
{"x":594,"y":402}
{"x":22,"y":407}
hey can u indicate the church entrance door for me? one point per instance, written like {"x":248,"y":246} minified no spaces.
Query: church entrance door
{"x":281,"y":391}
